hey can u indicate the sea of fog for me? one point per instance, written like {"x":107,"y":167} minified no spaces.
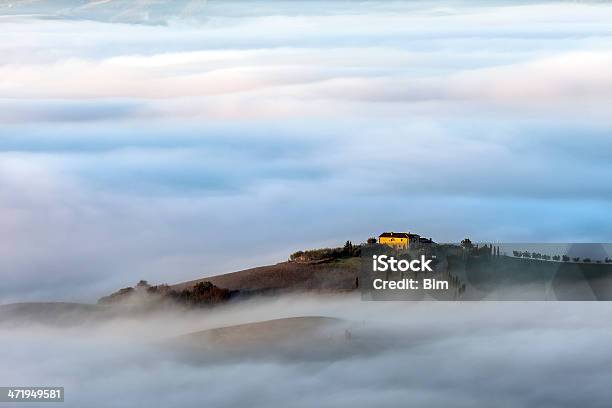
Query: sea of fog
{"x":386,"y":354}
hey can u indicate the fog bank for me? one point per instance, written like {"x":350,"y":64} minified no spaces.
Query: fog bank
{"x":427,"y":354}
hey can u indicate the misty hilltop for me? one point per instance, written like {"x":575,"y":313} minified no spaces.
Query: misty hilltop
{"x":327,"y":276}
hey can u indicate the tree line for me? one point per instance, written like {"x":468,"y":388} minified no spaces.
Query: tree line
{"x":349,"y":250}
{"x":557,"y":258}
{"x":200,"y":294}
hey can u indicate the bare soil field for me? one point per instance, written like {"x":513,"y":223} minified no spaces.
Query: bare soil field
{"x":328,"y":276}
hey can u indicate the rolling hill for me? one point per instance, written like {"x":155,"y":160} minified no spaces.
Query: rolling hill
{"x":338,"y":275}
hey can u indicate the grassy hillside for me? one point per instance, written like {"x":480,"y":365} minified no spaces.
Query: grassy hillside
{"x":337,"y":275}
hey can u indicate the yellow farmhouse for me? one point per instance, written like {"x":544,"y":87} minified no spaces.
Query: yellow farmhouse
{"x":399,"y":240}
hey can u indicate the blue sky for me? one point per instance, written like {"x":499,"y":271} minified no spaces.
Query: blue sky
{"x":167,"y":144}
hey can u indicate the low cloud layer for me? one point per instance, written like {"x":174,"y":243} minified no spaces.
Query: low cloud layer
{"x":137,"y":146}
{"x":399,"y":353}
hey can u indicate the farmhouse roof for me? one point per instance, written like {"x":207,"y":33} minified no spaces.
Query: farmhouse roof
{"x":397,"y":235}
